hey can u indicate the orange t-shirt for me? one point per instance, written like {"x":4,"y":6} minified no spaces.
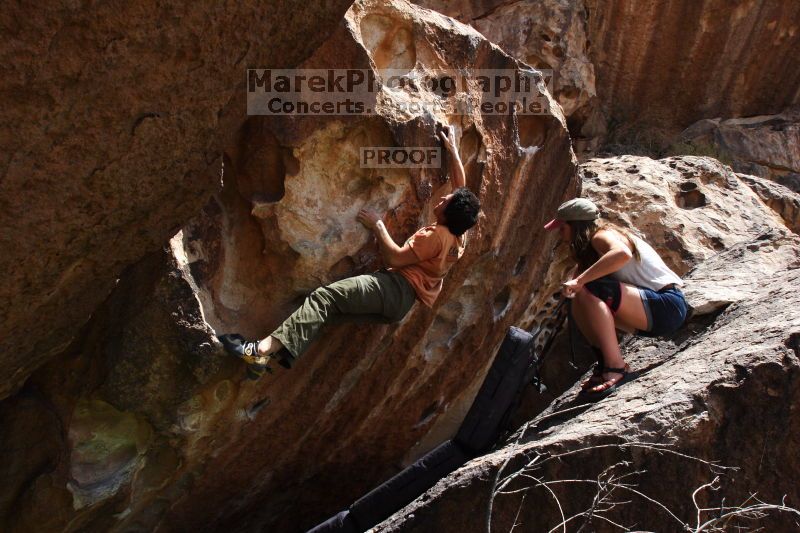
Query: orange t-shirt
{"x":437,"y":250}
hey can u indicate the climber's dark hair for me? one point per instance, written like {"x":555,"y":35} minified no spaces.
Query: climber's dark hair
{"x":462,"y":211}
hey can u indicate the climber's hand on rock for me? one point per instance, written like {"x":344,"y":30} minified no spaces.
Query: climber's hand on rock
{"x":448,"y":137}
{"x":570,"y":288}
{"x":368,"y":218}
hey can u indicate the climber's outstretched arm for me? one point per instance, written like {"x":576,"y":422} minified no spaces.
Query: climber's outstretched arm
{"x":456,"y":167}
{"x":393,"y":256}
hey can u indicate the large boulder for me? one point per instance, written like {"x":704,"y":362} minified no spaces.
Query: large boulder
{"x":114,"y":121}
{"x":767,"y":146}
{"x":551,"y":36}
{"x":688,"y":207}
{"x":721,"y":390}
{"x":784,"y":201}
{"x":634,"y":73}
{"x":148,"y":425}
{"x":546,"y":35}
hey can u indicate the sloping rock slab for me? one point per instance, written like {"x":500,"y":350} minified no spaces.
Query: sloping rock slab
{"x":724,"y":389}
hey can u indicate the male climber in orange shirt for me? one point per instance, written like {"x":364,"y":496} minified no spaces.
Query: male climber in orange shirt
{"x":415,"y":272}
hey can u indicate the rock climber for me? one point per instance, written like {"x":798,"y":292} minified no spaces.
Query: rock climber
{"x":415,"y":272}
{"x":618,"y":282}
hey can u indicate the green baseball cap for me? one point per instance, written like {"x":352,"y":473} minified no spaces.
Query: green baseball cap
{"x":575,"y":209}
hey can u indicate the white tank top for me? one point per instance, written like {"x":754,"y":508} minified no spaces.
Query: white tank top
{"x":650,"y":272}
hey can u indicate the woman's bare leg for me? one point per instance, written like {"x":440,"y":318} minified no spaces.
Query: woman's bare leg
{"x":269,"y":346}
{"x":596,"y":322}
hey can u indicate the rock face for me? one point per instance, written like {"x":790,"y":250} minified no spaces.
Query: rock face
{"x":549,"y":35}
{"x":546,"y":35}
{"x":782,"y":200}
{"x":764,"y":146}
{"x":689,"y":208}
{"x":654,"y":68}
{"x":143,"y":424}
{"x":722,"y":389}
{"x":143,"y":211}
{"x":114,"y":123}
{"x":674,"y":64}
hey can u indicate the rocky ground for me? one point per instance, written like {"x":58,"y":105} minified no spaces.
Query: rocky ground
{"x":722,"y":390}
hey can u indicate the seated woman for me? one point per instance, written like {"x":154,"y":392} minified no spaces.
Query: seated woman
{"x":619,"y":282}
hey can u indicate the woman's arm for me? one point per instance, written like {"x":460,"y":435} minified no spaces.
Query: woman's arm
{"x":614,"y":254}
{"x":572,"y":273}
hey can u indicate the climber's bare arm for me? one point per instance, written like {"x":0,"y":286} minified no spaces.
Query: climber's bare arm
{"x":393,"y":256}
{"x":456,"y":167}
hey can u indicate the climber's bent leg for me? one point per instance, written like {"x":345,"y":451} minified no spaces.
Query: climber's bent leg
{"x":381,"y":296}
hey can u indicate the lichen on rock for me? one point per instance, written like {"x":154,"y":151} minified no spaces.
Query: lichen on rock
{"x":107,"y":450}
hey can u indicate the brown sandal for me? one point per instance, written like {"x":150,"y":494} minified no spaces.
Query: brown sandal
{"x":595,"y":379}
{"x":593,"y":396}
{"x":597,"y":374}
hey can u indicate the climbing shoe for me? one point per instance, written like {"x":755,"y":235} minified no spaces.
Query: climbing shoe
{"x":247,"y":351}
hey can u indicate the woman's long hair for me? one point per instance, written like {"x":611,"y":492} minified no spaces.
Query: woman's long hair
{"x":581,"y":246}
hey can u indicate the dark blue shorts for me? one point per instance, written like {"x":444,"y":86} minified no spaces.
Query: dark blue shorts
{"x":665,"y":309}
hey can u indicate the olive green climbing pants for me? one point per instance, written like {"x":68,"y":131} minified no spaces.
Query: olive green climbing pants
{"x":381,"y":297}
